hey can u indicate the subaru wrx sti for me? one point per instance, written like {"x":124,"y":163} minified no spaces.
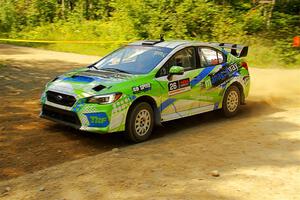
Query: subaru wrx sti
{"x":146,"y":83}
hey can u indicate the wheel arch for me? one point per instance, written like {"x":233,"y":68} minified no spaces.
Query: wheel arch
{"x":241,"y":88}
{"x":151,"y":102}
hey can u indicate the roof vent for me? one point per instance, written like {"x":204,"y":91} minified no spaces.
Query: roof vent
{"x":150,"y":42}
{"x":153,"y":42}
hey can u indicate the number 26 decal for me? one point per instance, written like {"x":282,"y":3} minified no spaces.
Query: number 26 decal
{"x":176,"y":87}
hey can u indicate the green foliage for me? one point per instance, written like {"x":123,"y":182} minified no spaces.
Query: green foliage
{"x":85,"y":30}
{"x":7,"y":16}
{"x":285,"y":25}
{"x":265,"y":53}
{"x":288,"y":54}
{"x":255,"y":22}
{"x":240,"y":21}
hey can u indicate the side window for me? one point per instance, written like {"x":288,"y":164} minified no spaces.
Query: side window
{"x":185,"y":58}
{"x":209,"y":57}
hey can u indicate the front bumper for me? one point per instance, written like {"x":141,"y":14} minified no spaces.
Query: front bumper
{"x":62,"y":116}
{"x":95,"y":121}
{"x":85,"y":116}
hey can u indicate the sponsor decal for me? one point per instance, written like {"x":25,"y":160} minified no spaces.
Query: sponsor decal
{"x":179,"y":86}
{"x":208,"y":83}
{"x":141,"y":88}
{"x":204,"y":73}
{"x":233,"y":67}
{"x":97,"y":119}
{"x":224,"y":74}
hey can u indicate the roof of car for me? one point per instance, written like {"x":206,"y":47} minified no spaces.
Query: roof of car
{"x":169,"y":44}
{"x":235,"y":49}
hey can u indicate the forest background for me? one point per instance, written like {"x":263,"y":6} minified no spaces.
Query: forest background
{"x":268,"y":27}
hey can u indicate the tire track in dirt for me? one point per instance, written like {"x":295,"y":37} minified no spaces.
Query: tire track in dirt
{"x":258,"y":149}
{"x":28,"y":143}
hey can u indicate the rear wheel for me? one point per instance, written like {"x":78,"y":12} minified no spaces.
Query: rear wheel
{"x":231,"y":101}
{"x":140,"y":122}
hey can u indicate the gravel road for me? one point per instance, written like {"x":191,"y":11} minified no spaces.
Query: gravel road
{"x":255,"y":155}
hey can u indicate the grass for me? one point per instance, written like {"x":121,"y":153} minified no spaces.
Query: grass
{"x":88,"y":49}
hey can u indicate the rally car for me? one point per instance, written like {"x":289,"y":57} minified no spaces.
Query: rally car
{"x":146,"y":83}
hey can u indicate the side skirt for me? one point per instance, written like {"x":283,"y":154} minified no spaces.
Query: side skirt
{"x":187,"y":113}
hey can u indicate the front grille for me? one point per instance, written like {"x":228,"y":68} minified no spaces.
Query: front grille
{"x":60,"y":115}
{"x":61,"y":99}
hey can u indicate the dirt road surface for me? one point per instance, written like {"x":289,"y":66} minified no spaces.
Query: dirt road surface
{"x":257,"y":153}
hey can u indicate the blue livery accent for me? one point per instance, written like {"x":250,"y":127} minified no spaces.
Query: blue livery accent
{"x":225,"y":52}
{"x":236,"y":74}
{"x":97,"y":119}
{"x":166,"y":103}
{"x":216,"y":106}
{"x":223,"y":85}
{"x":205,"y":72}
{"x":79,"y":105}
{"x":132,"y":97}
{"x":81,"y":79}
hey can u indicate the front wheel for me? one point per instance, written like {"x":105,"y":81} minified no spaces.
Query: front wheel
{"x":231,"y":101}
{"x":140,"y":122}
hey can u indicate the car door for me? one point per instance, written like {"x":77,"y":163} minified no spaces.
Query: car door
{"x":212,"y":62}
{"x":178,"y":96}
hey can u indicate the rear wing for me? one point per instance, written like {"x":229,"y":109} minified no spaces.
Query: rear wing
{"x":235,"y":49}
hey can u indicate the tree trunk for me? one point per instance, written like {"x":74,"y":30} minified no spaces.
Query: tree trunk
{"x":87,"y":9}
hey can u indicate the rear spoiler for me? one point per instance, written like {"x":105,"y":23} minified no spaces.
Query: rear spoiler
{"x":236,"y":49}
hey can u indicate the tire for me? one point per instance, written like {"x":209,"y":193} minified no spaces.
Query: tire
{"x":231,"y":101}
{"x":140,"y":122}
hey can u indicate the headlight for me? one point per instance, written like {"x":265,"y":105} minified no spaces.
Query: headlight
{"x":105,"y":99}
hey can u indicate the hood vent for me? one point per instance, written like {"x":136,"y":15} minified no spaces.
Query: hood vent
{"x":99,"y":88}
{"x":104,"y":74}
{"x":76,"y":78}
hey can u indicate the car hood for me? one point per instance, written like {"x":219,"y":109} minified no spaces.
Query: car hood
{"x":87,"y":82}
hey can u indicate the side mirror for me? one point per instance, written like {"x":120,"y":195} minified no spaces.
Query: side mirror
{"x":175,"y":70}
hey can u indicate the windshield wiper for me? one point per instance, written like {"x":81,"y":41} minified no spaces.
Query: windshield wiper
{"x":114,"y":70}
{"x":92,"y":66}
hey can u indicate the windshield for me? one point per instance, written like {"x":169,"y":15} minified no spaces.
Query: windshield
{"x":133,"y":59}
